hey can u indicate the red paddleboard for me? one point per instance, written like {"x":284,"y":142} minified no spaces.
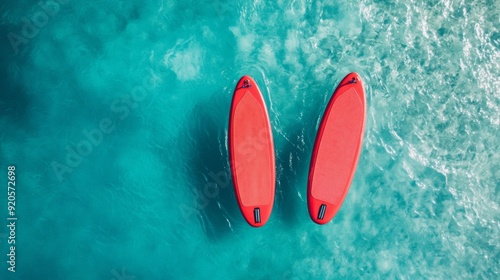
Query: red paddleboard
{"x":336,"y":150}
{"x":251,"y":152}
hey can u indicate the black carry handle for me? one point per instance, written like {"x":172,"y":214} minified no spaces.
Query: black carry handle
{"x":322,"y":210}
{"x":256,"y":215}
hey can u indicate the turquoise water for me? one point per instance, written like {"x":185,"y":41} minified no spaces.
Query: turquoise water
{"x":115,"y":115}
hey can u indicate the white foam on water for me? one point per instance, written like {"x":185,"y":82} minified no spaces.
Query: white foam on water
{"x":292,"y":41}
{"x":185,"y":59}
{"x":297,"y":10}
{"x":385,"y":261}
{"x":267,"y":56}
{"x":244,"y":40}
{"x":208,"y":34}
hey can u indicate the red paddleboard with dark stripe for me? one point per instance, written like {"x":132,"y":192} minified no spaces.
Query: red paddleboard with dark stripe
{"x":336,"y":150}
{"x":251,"y":152}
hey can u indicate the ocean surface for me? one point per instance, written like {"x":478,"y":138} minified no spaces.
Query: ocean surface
{"x":115,"y":116}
